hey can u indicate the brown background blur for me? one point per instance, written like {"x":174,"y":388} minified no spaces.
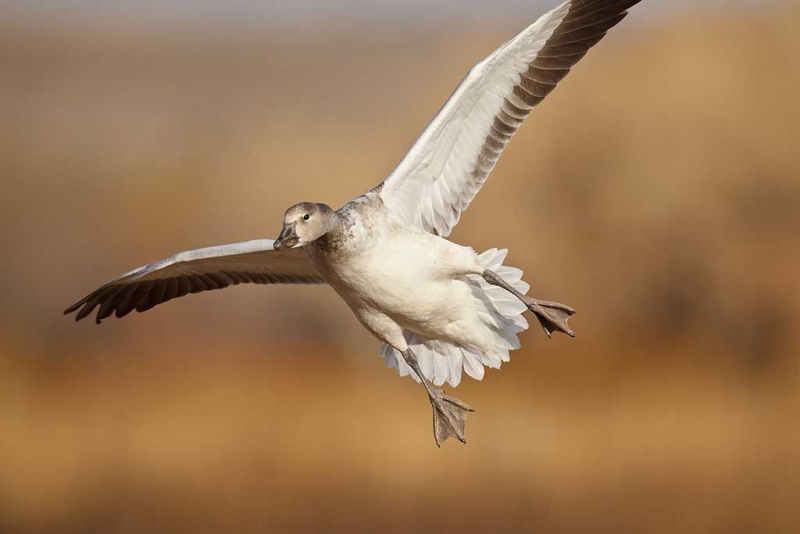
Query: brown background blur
{"x":656,"y":191}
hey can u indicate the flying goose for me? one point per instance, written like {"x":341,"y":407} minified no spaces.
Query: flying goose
{"x":438,"y":307}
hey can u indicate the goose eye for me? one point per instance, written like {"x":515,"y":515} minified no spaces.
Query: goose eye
{"x":306,"y":217}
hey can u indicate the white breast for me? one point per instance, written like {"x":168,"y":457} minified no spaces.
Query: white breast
{"x":410,"y":276}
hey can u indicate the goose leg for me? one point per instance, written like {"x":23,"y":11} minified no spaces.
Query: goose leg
{"x":449,"y":413}
{"x":552,"y":315}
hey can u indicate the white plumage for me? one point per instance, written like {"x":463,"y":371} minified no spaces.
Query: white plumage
{"x":499,"y":311}
{"x":440,"y":309}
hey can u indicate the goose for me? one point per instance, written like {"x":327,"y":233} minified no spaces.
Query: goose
{"x":439,"y":308}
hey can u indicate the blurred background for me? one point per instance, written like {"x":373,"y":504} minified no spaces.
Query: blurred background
{"x":657,"y":191}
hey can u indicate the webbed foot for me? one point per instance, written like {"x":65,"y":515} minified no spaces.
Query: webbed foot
{"x":552,"y":315}
{"x":449,"y":417}
{"x":449,"y":413}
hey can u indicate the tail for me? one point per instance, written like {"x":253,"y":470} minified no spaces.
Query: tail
{"x":500,"y":312}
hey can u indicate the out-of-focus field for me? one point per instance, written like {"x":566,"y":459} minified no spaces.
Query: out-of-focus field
{"x":657,"y":191}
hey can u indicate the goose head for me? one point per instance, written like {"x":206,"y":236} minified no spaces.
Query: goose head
{"x":304,"y":223}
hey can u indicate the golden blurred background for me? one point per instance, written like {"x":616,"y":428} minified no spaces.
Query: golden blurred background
{"x":657,"y":191}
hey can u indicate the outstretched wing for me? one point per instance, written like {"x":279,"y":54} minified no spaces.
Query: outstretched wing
{"x":453,"y":157}
{"x":198,"y":270}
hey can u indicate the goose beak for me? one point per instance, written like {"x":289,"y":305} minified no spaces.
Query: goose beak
{"x":287,"y":239}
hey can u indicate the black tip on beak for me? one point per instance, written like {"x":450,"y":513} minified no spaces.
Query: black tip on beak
{"x":287,"y":239}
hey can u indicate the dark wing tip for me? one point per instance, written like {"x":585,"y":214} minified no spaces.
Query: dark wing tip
{"x":87,"y":304}
{"x":74,"y":307}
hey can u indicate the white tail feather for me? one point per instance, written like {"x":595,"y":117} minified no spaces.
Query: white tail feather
{"x":500,"y":311}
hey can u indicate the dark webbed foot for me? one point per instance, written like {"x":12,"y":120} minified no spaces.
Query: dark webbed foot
{"x":449,"y":417}
{"x":449,"y":413}
{"x":552,"y":315}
